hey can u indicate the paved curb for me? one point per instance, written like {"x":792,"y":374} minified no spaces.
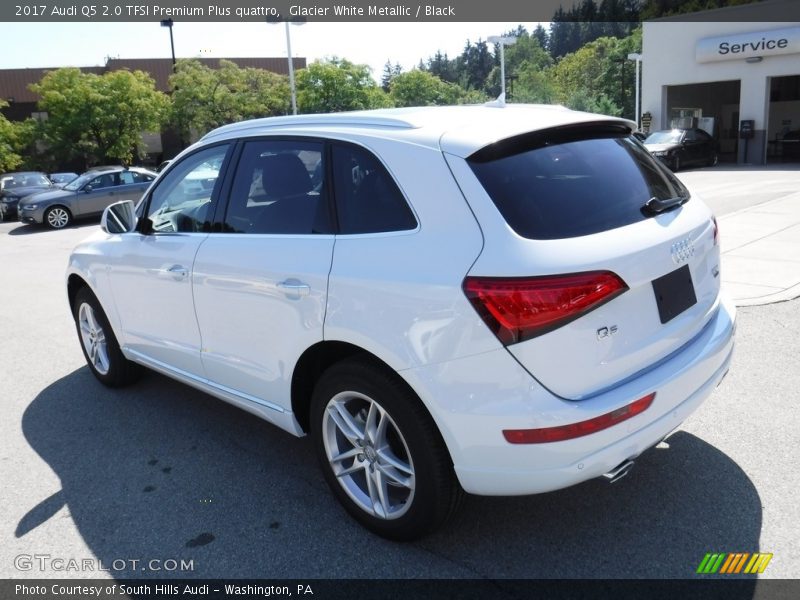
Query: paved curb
{"x":771,"y":260}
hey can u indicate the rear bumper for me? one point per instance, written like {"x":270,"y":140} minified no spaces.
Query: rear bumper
{"x":472,"y":423}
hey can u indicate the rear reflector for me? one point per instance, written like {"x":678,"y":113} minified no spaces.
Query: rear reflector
{"x":575,"y":430}
{"x":520,"y":308}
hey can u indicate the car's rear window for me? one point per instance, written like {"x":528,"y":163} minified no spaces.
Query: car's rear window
{"x":563,"y":184}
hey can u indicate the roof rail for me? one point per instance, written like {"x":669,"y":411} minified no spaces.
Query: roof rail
{"x":348,"y":119}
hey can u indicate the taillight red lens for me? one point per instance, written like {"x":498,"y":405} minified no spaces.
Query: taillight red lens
{"x":517,"y":309}
{"x":574,"y":430}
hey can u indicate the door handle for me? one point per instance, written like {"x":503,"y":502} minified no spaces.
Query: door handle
{"x":294,"y":288}
{"x":177,"y":272}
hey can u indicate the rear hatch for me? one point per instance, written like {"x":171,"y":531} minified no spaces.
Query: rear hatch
{"x":597,"y":264}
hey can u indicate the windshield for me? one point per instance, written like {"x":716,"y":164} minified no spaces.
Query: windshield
{"x":62,"y":177}
{"x":18,"y":180}
{"x":664,"y":137}
{"x":76,"y":184}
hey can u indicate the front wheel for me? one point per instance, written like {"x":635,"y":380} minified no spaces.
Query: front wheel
{"x":100,"y":347}
{"x":381,"y":453}
{"x":676,"y":164}
{"x":57,"y":217}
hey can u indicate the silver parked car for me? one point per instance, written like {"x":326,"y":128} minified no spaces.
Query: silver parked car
{"x":86,"y":196}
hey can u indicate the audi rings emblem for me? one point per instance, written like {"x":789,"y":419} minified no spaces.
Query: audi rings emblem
{"x":682,"y":251}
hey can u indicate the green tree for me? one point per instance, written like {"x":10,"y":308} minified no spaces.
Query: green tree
{"x":421,"y":88}
{"x":444,"y":68}
{"x":474,"y":65}
{"x":204,"y":98}
{"x":10,"y":143}
{"x":336,"y":85}
{"x":533,"y":85}
{"x":598,"y":76}
{"x":389,"y":72}
{"x":98,"y":118}
{"x":524,"y":58}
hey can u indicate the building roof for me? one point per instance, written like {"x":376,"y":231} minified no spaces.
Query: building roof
{"x":756,"y":11}
{"x":14,"y":82}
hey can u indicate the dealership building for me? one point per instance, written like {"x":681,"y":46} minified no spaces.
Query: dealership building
{"x":734,"y":73}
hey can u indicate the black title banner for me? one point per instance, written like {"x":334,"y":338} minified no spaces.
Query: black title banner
{"x":746,"y":588}
{"x":345,"y":11}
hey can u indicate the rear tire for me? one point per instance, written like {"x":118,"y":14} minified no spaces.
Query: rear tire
{"x":381,"y":452}
{"x":100,"y":347}
{"x":57,"y":217}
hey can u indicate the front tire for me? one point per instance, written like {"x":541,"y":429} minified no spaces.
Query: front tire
{"x":57,"y":217}
{"x":381,"y":453}
{"x":676,"y":164}
{"x":100,"y":347}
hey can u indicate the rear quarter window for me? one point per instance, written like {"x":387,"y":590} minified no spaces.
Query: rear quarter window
{"x":571,"y":184}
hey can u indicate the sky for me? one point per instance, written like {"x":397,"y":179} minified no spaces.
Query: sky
{"x":88,"y":44}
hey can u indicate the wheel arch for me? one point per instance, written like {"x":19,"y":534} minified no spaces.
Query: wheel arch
{"x":74,"y":283}
{"x":80,"y":278}
{"x":319,"y":357}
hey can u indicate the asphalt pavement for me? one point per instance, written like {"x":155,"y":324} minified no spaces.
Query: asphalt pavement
{"x":159,"y":472}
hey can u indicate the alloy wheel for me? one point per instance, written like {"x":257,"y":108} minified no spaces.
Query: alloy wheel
{"x":93,"y":338}
{"x":57,"y":217}
{"x":368,"y":455}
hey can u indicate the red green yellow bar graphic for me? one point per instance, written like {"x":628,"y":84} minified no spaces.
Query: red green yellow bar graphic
{"x":734,"y":562}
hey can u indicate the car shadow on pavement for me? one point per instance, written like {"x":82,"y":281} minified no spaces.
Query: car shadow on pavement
{"x":161,"y":472}
{"x":30,"y":229}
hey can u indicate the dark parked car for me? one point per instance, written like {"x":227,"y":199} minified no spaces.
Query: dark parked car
{"x":86,"y":196}
{"x":791,"y":145}
{"x":678,"y":148}
{"x":14,"y":186}
{"x":62,"y":179}
{"x":103,"y":168}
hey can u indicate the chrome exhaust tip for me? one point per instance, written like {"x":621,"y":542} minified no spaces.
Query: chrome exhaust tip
{"x":618,"y":472}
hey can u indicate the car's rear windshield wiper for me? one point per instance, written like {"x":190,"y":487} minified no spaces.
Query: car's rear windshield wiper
{"x":655,"y":205}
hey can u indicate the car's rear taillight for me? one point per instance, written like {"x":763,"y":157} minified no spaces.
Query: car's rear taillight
{"x":520,"y":308}
{"x":561,"y":433}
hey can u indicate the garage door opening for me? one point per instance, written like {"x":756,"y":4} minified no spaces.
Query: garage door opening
{"x":713,"y":107}
{"x":783,"y":125}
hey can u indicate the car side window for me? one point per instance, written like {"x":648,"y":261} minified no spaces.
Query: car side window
{"x":131,"y":177}
{"x":367,"y":198}
{"x":690,"y":136}
{"x":182,"y":200}
{"x":703,"y":136}
{"x":278,"y":189}
{"x":102,"y":181}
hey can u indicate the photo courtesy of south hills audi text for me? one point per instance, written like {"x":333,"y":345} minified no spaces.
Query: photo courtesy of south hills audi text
{"x":78,"y":590}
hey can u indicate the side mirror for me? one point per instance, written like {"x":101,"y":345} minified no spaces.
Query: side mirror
{"x":87,"y":189}
{"x":120,"y":217}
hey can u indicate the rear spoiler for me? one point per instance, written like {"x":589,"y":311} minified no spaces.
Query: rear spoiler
{"x":552,"y":136}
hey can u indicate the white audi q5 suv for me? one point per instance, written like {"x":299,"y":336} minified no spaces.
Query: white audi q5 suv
{"x":500,"y":300}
